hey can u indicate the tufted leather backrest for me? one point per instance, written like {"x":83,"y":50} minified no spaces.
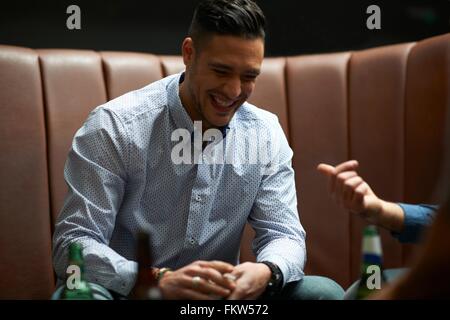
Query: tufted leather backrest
{"x":127,"y":71}
{"x":25,"y":226}
{"x":73,"y":85}
{"x":376,"y":131}
{"x":427,"y":101}
{"x":317,"y":100}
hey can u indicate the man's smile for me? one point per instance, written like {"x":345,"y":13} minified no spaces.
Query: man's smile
{"x":221,"y":104}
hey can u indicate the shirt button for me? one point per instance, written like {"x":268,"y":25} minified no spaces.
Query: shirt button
{"x":198,"y":198}
{"x":192,"y":241}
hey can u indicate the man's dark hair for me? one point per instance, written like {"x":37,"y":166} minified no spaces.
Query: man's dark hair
{"x":241,"y":18}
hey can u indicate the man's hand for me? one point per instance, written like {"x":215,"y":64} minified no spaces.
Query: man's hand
{"x":179,"y":284}
{"x":251,"y":280}
{"x":351,"y":192}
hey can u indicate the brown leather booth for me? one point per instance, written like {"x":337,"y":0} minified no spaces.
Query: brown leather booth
{"x":383,"y":106}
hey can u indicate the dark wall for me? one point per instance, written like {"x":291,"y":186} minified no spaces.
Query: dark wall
{"x":158,"y":26}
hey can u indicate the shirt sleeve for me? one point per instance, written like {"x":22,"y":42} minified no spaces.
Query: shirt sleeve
{"x":417,"y":218}
{"x":280,"y":238}
{"x":95,"y":173}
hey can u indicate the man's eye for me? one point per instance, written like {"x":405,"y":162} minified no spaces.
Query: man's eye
{"x":250,"y":78}
{"x":220,"y":72}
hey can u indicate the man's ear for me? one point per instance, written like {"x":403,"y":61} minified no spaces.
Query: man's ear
{"x":188,"y":51}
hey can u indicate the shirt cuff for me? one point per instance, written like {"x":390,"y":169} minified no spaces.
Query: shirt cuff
{"x":284,"y":268}
{"x":121,"y":282}
{"x":417,"y":218}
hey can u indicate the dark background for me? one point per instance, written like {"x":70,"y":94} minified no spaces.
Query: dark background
{"x":158,"y":26}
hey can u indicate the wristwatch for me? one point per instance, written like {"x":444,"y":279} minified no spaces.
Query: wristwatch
{"x":275,"y":283}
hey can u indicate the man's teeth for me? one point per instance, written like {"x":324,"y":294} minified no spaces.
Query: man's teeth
{"x":223,"y":103}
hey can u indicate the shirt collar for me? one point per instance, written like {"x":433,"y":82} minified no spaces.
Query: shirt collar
{"x":178,"y":112}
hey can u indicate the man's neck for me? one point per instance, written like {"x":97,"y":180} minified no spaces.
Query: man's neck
{"x":188,"y":105}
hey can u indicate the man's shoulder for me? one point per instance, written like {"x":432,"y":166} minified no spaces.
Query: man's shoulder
{"x":251,"y":115}
{"x":149,"y":100}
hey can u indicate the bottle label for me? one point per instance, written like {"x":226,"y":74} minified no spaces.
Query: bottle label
{"x":372,"y":245}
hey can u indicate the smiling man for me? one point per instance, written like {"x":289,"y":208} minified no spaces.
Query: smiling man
{"x":220,"y":76}
{"x":122,"y":179}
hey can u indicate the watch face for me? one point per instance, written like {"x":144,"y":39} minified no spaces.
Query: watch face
{"x":275,"y":278}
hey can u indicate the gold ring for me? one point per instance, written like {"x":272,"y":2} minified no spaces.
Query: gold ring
{"x":196,"y":281}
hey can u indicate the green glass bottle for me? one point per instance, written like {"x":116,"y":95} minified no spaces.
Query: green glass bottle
{"x":372,"y":263}
{"x":77,"y":288}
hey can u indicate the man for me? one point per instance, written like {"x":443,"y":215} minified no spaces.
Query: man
{"x":127,"y":171}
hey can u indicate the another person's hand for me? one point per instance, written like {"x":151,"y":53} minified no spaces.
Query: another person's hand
{"x":352,"y":193}
{"x":200,"y":280}
{"x":251,"y":280}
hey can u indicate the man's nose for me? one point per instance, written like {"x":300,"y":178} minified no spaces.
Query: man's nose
{"x":233,"y":88}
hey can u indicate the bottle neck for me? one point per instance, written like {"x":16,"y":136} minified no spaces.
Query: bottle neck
{"x":76,"y":256}
{"x":145,"y":276}
{"x":146,"y":286}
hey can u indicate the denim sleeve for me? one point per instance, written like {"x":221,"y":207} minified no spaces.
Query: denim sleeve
{"x":417,"y":218}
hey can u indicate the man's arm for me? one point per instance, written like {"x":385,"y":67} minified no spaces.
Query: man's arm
{"x":417,"y":217}
{"x":280,"y":238}
{"x":350,"y":191}
{"x":95,"y":172}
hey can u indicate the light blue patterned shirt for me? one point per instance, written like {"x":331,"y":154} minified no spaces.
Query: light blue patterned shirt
{"x":122,"y":179}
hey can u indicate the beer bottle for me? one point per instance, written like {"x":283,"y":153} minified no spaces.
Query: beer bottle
{"x":77,"y":288}
{"x":146,"y":287}
{"x":371,"y":268}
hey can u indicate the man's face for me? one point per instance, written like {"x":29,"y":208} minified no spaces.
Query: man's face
{"x":220,"y":77}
